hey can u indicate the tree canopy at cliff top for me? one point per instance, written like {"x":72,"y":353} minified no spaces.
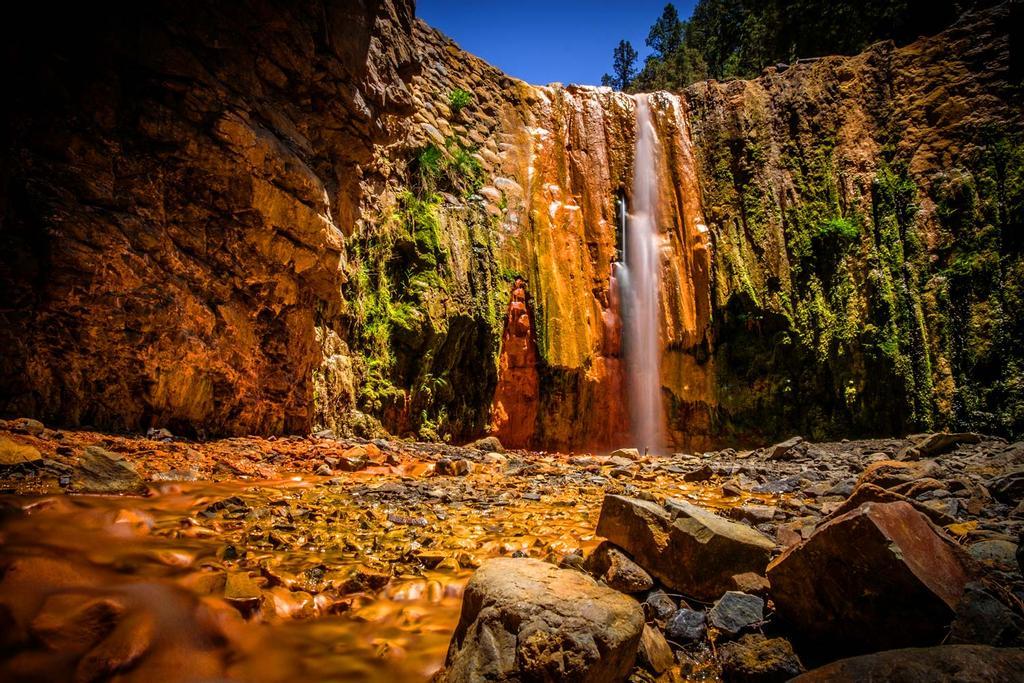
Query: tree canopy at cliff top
{"x":725,"y":39}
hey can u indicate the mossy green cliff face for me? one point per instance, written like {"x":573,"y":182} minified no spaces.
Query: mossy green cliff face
{"x":867,"y":215}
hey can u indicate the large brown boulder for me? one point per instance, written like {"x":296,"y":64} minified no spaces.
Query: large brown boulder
{"x":876,"y":578}
{"x":526,"y":620}
{"x":688,"y":549}
{"x":961,"y":663}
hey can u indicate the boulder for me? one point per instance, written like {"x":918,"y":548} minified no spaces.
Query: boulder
{"x":736,"y":611}
{"x":702,"y":473}
{"x":525,"y":620}
{"x":756,"y":659}
{"x":1007,"y":488}
{"x":627,"y":453}
{"x":962,"y":663}
{"x":100,"y":471}
{"x":688,"y":549}
{"x":878,"y":577}
{"x":27,"y":425}
{"x":609,"y":564}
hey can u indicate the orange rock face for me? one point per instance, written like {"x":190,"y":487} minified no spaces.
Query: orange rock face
{"x":514,"y":412}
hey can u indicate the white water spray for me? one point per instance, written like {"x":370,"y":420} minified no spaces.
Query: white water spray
{"x":640,"y":283}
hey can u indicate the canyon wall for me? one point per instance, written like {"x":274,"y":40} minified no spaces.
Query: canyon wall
{"x":867,"y":218}
{"x":177,"y":181}
{"x":274,"y":218}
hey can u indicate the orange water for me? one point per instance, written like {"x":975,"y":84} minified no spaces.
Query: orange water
{"x":300,"y":539}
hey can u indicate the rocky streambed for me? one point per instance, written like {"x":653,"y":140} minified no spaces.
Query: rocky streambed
{"x":318,"y":558}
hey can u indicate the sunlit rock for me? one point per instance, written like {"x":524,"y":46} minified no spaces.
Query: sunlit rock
{"x":689,"y":549}
{"x":526,"y":620}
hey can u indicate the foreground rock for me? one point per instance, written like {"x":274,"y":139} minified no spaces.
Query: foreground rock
{"x":526,"y":620}
{"x":100,"y":471}
{"x":689,"y":549}
{"x":609,"y":564}
{"x":876,"y":578}
{"x":736,"y":611}
{"x":14,"y":455}
{"x":965,"y":663}
{"x":756,"y":659}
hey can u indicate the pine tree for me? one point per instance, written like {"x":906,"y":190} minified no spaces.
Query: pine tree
{"x":623,"y":65}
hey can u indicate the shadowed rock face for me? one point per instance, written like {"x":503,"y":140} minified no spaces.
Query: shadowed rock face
{"x":906,"y":576}
{"x":177,"y":184}
{"x":948,"y":662}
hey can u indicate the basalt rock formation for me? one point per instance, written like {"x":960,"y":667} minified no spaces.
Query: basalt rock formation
{"x":262,"y":219}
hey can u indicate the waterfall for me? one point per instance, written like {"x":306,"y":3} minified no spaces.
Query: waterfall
{"x":639,"y":281}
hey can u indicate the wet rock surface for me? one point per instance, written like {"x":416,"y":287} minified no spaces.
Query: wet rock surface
{"x":364,"y":569}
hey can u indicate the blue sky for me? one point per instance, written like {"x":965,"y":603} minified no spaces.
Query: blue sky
{"x":570,"y":41}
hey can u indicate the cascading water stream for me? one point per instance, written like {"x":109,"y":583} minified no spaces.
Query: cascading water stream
{"x":639,"y":281}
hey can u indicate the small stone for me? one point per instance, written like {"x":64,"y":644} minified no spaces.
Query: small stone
{"x":160,"y":434}
{"x":686,"y":626}
{"x":242,"y":592}
{"x":496,"y":458}
{"x":324,"y":470}
{"x":1001,"y":555}
{"x":654,"y":653}
{"x":27,"y":425}
{"x":756,"y":659}
{"x":736,"y":611}
{"x":784,"y":450}
{"x":939,"y":443}
{"x":486,"y":444}
{"x":609,"y":564}
{"x":659,"y":607}
{"x":1007,"y":488}
{"x":749,"y":582}
{"x":453,"y":467}
{"x":100,"y":471}
{"x":755,"y":514}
